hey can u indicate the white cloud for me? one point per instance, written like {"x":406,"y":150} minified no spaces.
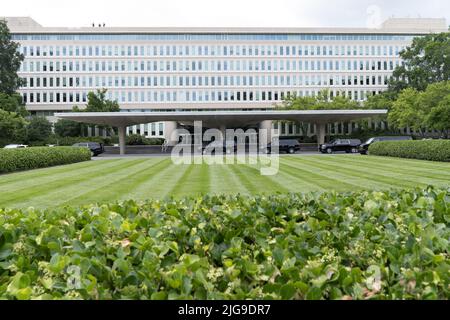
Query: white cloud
{"x":267,"y":13}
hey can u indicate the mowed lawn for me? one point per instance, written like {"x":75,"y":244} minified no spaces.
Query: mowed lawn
{"x":158,"y":177}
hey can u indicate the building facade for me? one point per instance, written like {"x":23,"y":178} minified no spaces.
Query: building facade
{"x":158,"y":69}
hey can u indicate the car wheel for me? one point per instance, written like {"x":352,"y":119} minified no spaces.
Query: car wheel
{"x":354,"y":150}
{"x":329,"y":151}
{"x":291,"y":150}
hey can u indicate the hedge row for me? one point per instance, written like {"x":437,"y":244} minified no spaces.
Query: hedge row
{"x":434,"y":150}
{"x":40,"y":157}
{"x":132,"y":139}
{"x":361,"y":245}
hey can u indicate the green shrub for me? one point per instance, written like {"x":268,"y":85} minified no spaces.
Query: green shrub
{"x":67,"y":141}
{"x":40,"y":157}
{"x":360,"y":245}
{"x":137,"y":139}
{"x":434,"y":150}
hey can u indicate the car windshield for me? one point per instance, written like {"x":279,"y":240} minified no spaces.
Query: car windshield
{"x":370,"y":140}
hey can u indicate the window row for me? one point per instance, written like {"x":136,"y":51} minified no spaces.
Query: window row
{"x":185,"y":96}
{"x":211,"y":37}
{"x":205,"y":81}
{"x":209,"y":50}
{"x":209,"y":65}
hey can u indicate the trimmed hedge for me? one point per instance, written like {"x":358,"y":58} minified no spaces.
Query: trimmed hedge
{"x":356,"y":245}
{"x":433,"y":150}
{"x":40,"y":157}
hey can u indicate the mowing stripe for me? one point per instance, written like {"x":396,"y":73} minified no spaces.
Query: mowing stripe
{"x":39,"y":176}
{"x":122,"y":189}
{"x":92,"y":191}
{"x":255,"y":182}
{"x":160,"y":185}
{"x":176,"y":185}
{"x":359,"y":181}
{"x":224,"y":181}
{"x":34,"y":173}
{"x":423,"y":171}
{"x":324,"y":179}
{"x":412,"y":162}
{"x":373,"y":174}
{"x":334,"y":169}
{"x":140,"y":187}
{"x":157,"y":185}
{"x":40,"y":190}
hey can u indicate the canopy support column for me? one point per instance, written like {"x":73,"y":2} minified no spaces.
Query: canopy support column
{"x":122,"y":136}
{"x":320,"y":133}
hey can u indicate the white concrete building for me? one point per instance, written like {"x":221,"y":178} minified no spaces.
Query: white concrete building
{"x":161,"y":69}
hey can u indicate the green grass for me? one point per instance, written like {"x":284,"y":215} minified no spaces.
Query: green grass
{"x":142,"y":178}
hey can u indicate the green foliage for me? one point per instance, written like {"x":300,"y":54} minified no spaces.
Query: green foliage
{"x":40,"y":157}
{"x":10,"y":60}
{"x":427,"y":61}
{"x":97,"y":102}
{"x":12,"y":103}
{"x":359,"y":245}
{"x":382,"y":100}
{"x":12,"y":128}
{"x":322,"y":101}
{"x":434,"y":150}
{"x":406,"y":111}
{"x":439,"y":117}
{"x":67,"y":128}
{"x":137,"y":139}
{"x":38,"y":129}
{"x":423,"y":109}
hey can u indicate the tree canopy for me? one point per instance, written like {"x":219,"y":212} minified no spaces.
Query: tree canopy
{"x":68,"y":128}
{"x":12,"y":127}
{"x":97,"y":102}
{"x":10,"y":60}
{"x":423,"y":109}
{"x":12,"y":103}
{"x":426,"y":61}
{"x":38,"y":129}
{"x":322,"y":101}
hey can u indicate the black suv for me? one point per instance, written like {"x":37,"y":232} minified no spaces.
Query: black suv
{"x":285,"y":145}
{"x":95,"y":147}
{"x":347,"y":145}
{"x":363,"y":148}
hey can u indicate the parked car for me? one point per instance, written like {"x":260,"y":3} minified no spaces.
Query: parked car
{"x":285,"y":145}
{"x":95,"y":147}
{"x":364,"y":147}
{"x":15,"y":146}
{"x":347,"y":145}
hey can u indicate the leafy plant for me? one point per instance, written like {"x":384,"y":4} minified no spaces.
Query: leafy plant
{"x":360,"y":245}
{"x":434,"y":150}
{"x":40,"y":157}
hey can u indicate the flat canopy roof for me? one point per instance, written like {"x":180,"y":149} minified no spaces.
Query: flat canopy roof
{"x":218,"y":118}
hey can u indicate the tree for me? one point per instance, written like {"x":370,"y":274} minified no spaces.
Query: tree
{"x":439,"y":118}
{"x":379,"y":101}
{"x":97,"y":102}
{"x":13,"y":103}
{"x":406,"y":111}
{"x":12,"y":128}
{"x":426,"y":61}
{"x":10,"y":60}
{"x":38,"y":129}
{"x":322,"y":101}
{"x":68,"y":128}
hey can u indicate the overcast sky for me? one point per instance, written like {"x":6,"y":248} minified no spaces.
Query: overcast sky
{"x":227,"y":13}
